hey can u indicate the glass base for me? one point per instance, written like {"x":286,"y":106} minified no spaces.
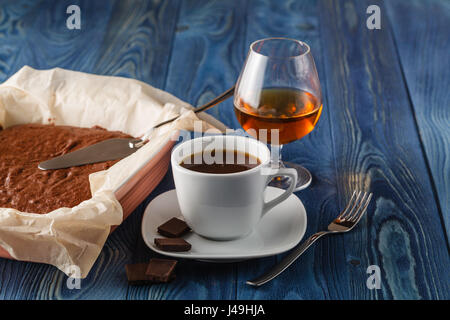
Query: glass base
{"x":303,"y":181}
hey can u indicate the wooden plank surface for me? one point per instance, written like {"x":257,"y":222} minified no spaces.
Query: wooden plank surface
{"x":209,"y":51}
{"x":420,"y":30}
{"x":367,"y":137}
{"x":377,"y":147}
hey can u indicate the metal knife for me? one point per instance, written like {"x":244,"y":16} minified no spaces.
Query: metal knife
{"x":113,"y":149}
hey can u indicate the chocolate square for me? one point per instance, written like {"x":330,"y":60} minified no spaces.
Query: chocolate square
{"x":160,"y":270}
{"x":172,"y":244}
{"x":173,"y":228}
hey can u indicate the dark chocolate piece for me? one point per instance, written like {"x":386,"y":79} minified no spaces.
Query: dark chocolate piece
{"x":160,"y":270}
{"x":174,"y":228}
{"x":136,"y":274}
{"x":172,"y":244}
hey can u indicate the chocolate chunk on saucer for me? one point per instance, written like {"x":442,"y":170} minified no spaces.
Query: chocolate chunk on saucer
{"x":172,"y":244}
{"x":161,"y":270}
{"x":173,"y":228}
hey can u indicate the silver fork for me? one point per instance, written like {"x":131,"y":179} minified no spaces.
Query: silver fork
{"x":345,"y":222}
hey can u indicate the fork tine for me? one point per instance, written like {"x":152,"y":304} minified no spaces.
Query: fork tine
{"x":358,"y":205}
{"x":363,"y":209}
{"x":352,"y":204}
{"x":344,"y":212}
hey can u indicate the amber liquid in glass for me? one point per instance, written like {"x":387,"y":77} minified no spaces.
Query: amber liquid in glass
{"x":293,"y":112}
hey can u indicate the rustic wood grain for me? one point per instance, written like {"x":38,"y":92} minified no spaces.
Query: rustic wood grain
{"x":420,"y":32}
{"x":114,"y":39}
{"x":208,"y":52}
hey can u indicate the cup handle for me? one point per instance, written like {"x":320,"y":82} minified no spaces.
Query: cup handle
{"x":292,"y":173}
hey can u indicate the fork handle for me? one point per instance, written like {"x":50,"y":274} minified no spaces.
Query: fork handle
{"x":286,"y":261}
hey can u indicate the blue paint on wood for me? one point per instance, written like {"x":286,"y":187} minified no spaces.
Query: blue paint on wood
{"x":208,"y":52}
{"x":420,"y":30}
{"x":205,"y":61}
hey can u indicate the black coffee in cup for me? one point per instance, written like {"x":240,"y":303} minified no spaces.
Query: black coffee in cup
{"x":220,"y":162}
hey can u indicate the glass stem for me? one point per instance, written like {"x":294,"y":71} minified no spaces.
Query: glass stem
{"x":275,"y":156}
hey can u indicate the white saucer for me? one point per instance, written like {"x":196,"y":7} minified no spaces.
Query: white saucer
{"x":278,"y":231}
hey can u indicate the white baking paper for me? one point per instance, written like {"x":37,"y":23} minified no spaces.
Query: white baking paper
{"x":69,"y":237}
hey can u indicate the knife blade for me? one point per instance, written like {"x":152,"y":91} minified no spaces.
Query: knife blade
{"x":111,"y":149}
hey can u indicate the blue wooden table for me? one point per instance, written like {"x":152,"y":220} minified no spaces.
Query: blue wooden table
{"x":385,"y":128}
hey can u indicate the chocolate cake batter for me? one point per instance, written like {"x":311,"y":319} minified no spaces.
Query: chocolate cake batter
{"x":23,"y":186}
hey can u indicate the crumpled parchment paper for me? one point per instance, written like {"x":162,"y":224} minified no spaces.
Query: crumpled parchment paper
{"x":71,"y":238}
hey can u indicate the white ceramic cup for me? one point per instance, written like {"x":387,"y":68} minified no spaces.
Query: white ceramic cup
{"x":225,"y":206}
